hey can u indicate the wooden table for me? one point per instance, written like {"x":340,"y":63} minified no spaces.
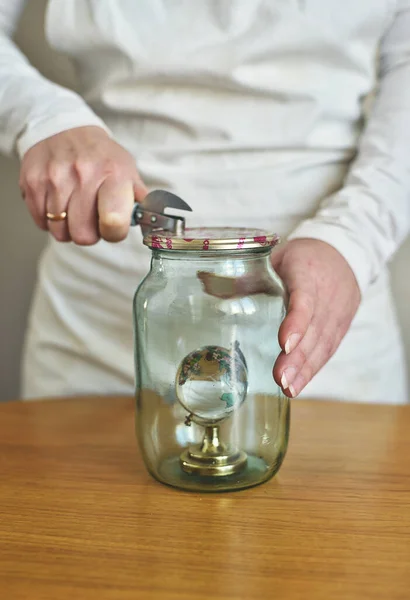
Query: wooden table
{"x":81,"y":519}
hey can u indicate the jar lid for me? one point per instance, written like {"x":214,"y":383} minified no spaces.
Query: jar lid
{"x":213,"y":238}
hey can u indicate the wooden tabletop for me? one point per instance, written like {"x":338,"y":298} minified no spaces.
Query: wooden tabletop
{"x":81,"y":519}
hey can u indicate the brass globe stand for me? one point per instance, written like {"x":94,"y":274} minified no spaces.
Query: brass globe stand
{"x":212,"y":458}
{"x":226,"y":371}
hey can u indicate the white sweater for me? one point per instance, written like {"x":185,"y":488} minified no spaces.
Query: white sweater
{"x":275,"y":82}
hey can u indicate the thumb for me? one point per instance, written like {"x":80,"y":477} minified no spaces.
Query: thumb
{"x":115,"y":203}
{"x":140,"y":190}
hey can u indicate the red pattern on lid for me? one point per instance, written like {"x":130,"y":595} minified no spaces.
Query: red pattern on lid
{"x":212,"y":238}
{"x":156,"y":242}
{"x":260,"y":239}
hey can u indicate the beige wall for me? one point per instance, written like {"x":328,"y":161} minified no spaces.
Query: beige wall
{"x":21,"y":242}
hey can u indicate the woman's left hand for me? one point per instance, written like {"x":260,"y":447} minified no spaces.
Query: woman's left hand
{"x":323,"y":299}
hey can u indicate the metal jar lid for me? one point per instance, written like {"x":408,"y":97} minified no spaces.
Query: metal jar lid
{"x":213,"y":238}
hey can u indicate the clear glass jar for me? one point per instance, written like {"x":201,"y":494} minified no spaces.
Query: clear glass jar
{"x":209,"y":414}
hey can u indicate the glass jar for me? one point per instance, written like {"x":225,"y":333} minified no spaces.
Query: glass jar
{"x":209,"y":413}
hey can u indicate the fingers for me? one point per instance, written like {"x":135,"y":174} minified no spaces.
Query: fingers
{"x":140,"y":190}
{"x":83,"y":173}
{"x":59,"y":189}
{"x":288,"y":366}
{"x":33,"y":189}
{"x":295,"y":377}
{"x":82,"y":216}
{"x":293,"y":372}
{"x":298,"y":318}
{"x":324,"y":297}
{"x":115,"y":203}
{"x":107,"y":215}
{"x":306,"y":342}
{"x":37,"y":207}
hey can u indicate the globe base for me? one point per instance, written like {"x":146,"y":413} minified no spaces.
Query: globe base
{"x":212,"y":458}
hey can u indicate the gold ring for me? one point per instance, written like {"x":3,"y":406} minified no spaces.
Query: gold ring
{"x":60,"y":217}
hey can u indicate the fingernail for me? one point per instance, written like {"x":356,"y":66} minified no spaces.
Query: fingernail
{"x":291,"y":342}
{"x":288,"y":376}
{"x":292,"y":391}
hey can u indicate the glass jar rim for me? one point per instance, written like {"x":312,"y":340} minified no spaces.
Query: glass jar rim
{"x":212,"y":238}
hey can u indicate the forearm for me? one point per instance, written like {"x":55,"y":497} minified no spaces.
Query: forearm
{"x":31,"y":107}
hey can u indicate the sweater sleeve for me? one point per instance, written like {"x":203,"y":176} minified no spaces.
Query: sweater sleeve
{"x":32,"y":108}
{"x":370,"y":216}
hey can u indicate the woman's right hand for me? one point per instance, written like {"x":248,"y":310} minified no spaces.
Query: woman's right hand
{"x":84,"y":173}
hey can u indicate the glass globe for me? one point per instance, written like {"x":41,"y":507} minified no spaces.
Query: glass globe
{"x":211,"y":383}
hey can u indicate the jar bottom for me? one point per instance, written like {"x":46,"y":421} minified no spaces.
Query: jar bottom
{"x":255,"y":472}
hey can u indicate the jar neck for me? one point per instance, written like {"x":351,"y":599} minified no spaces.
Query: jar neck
{"x":228,"y":263}
{"x":220,"y":274}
